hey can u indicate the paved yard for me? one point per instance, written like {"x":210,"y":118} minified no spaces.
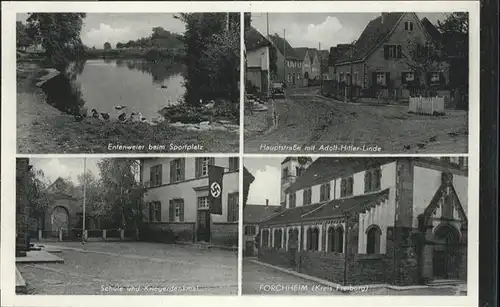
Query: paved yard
{"x":121,"y":268}
{"x":307,"y":119}
{"x":263,"y":280}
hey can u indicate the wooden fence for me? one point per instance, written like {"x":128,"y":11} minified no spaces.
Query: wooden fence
{"x":426,"y":105}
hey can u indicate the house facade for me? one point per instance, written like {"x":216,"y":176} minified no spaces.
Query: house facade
{"x":252,"y":216}
{"x":400,"y":221}
{"x":177,"y":198}
{"x":380,"y":56}
{"x":258,"y":71}
{"x":288,"y":64}
{"x":291,"y":169}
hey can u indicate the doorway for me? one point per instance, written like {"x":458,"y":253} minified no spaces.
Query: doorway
{"x":203,"y":231}
{"x":445,"y":257}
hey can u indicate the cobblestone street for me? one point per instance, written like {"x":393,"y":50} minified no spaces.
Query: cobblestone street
{"x":307,"y":119}
{"x":134,"y":268}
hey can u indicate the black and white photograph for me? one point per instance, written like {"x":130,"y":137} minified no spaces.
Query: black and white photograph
{"x":128,"y":82}
{"x":359,"y":83}
{"x":121,"y":226}
{"x":356,"y":226}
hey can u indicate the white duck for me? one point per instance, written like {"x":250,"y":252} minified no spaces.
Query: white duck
{"x":120,"y":107}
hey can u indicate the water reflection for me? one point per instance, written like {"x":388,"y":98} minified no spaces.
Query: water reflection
{"x":142,"y":86}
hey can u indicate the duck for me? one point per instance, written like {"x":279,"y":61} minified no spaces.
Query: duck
{"x":120,"y":107}
{"x":105,"y":116}
{"x":79,"y":117}
{"x":132,"y":116}
{"x":163,"y":86}
{"x":122,"y":117}
{"x":95,"y":114}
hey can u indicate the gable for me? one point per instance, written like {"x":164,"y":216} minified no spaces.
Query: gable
{"x":446,"y":193}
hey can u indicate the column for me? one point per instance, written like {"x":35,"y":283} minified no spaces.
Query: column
{"x":269,"y":237}
{"x":299,"y":239}
{"x":104,"y":234}
{"x":39,"y":235}
{"x":287,"y":237}
{"x":304,"y":247}
{"x":283,"y":237}
{"x":261,"y":237}
{"x":320,"y":239}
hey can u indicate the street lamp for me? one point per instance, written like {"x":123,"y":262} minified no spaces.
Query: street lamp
{"x":351,"y":52}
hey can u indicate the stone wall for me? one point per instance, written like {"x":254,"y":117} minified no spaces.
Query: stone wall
{"x":277,"y":257}
{"x":224,"y":234}
{"x":369,"y":269}
{"x":329,"y":266}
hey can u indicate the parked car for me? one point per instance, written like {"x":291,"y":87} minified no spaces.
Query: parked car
{"x":277,"y":90}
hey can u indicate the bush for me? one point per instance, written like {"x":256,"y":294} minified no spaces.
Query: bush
{"x":163,"y":235}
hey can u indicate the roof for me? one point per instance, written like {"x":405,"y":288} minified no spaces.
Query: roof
{"x":325,"y":169}
{"x":301,"y":52}
{"x":372,"y":35}
{"x":330,"y":209}
{"x":339,"y":207}
{"x":337,"y":52}
{"x":431,"y":29}
{"x":282,"y":45}
{"x":258,"y":213}
{"x":254,"y":39}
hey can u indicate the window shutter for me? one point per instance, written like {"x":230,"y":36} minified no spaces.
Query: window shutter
{"x":211,"y":161}
{"x":374,"y":78}
{"x":386,"y":52}
{"x":160,"y":174}
{"x":181,"y":204}
{"x":442,"y":79}
{"x":183,"y":168}
{"x":151,"y":176}
{"x":172,"y":171}
{"x":171,"y":210}
{"x":388,"y":79}
{"x":151,"y":212}
{"x":399,"y":52}
{"x":197,"y":162}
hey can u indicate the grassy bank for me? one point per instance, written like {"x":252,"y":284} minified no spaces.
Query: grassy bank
{"x":157,"y":54}
{"x":43,"y":129}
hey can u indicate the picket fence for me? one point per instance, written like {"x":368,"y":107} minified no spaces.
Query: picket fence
{"x":426,"y":105}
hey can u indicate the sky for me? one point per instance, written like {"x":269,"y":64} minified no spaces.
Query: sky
{"x":329,"y":29}
{"x":267,"y":183}
{"x":64,"y":167}
{"x":99,"y":28}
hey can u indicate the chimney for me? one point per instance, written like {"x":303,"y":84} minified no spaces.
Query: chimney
{"x":267,"y":202}
{"x":384,"y":17}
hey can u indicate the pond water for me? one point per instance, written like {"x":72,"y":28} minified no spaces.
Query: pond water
{"x":141,"y":86}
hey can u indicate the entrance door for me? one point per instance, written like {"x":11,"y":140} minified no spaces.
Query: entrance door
{"x":249,"y":248}
{"x":264,"y":74}
{"x":204,"y":225}
{"x":59,"y":219}
{"x":444,"y":258}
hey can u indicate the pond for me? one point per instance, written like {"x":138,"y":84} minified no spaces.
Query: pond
{"x":142,"y":87}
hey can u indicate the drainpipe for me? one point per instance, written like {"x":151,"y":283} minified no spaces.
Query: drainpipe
{"x":345,"y":248}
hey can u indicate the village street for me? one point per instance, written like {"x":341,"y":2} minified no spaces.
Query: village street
{"x":263,"y":280}
{"x":150,"y":268}
{"x":307,"y":119}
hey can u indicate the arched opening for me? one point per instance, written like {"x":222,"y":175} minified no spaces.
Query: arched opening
{"x":331,"y":239}
{"x":373,"y":234}
{"x":339,"y":239}
{"x":313,"y":239}
{"x":293,"y":239}
{"x":277,"y":238}
{"x":445,"y":257}
{"x":59,"y":219}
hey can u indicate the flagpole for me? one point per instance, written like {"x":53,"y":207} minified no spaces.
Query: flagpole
{"x":84,"y":195}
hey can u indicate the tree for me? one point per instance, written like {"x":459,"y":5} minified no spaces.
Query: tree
{"x":122,"y":191}
{"x":22,"y":39}
{"x":36,"y":194}
{"x":94,"y":204}
{"x":107,"y":46}
{"x":58,"y":34}
{"x":455,"y":36}
{"x":119,"y":45}
{"x":422,"y":58}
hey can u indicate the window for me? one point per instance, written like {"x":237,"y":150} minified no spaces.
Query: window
{"x":409,"y":26}
{"x":176,"y":210}
{"x":324,"y":192}
{"x":234,"y":164}
{"x":177,"y":170}
{"x":155,"y":211}
{"x":312,"y":239}
{"x":284,"y":173}
{"x":409,"y":76}
{"x":335,"y":239}
{"x":393,"y":52}
{"x":435,"y":77}
{"x":298,"y":171}
{"x":355,"y":78}
{"x":278,"y":233}
{"x":155,"y":175}
{"x":381,"y":78}
{"x":289,"y":78}
{"x":372,"y":180}
{"x":203,"y":203}
{"x":373,"y":240}
{"x":250,"y":230}
{"x":307,"y":196}
{"x":293,"y":201}
{"x":202,"y":166}
{"x":265,"y":238}
{"x":346,"y":187}
{"x":232,"y":207}
{"x":341,"y":77}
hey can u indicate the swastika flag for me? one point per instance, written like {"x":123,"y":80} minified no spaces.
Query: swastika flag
{"x":215,"y":174}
